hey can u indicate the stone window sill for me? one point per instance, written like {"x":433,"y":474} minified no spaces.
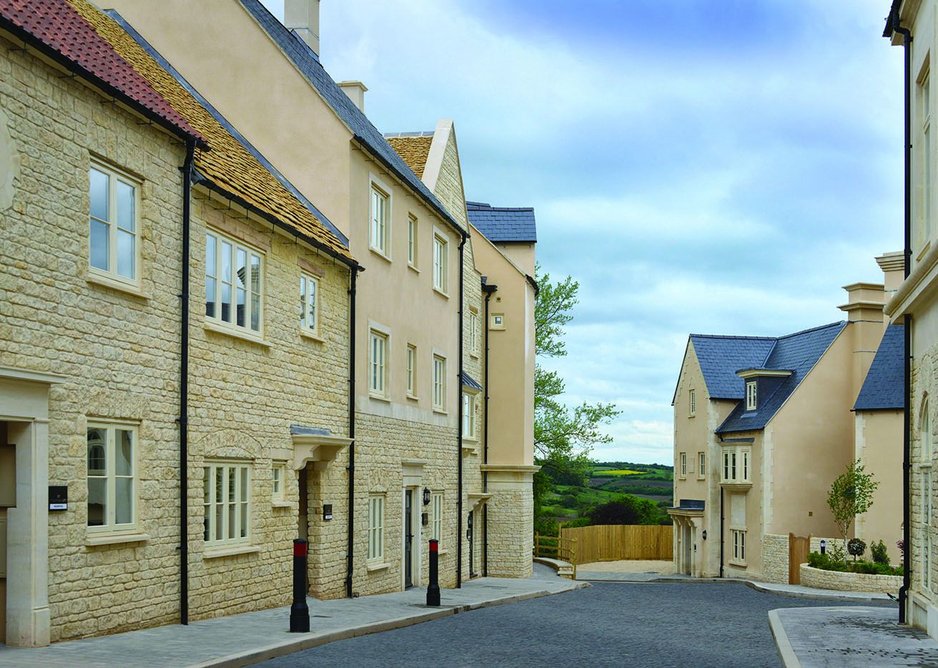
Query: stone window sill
{"x":106,"y":281}
{"x":229,"y":551}
{"x":95,"y":539}
{"x":235,"y":334}
{"x":372,"y":568}
{"x":312,"y":336}
{"x":281,"y":504}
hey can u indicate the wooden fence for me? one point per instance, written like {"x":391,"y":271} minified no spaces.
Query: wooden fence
{"x":620,"y":541}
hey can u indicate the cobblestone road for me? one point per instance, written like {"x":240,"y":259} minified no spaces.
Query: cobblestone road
{"x":685,"y":625}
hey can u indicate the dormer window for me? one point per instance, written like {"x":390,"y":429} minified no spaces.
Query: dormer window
{"x":751,"y":395}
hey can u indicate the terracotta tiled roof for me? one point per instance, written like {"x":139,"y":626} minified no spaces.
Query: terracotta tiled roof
{"x":57,"y":28}
{"x":228,"y":165}
{"x":413,"y":148}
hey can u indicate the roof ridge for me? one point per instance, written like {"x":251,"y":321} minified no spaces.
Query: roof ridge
{"x":734,"y":336}
{"x":813,"y":329}
{"x":408,"y":135}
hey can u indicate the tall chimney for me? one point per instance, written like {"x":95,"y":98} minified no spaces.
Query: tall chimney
{"x":355,"y":90}
{"x":302,"y":17}
{"x":893,"y":266}
{"x":864,"y":310}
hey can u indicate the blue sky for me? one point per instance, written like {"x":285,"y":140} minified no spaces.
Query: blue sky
{"x":708,"y":166}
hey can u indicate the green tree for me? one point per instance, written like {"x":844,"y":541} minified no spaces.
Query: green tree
{"x":626,"y":509}
{"x":851,"y":494}
{"x":563,"y":435}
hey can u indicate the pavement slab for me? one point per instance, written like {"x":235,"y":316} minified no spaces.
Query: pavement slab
{"x":241,"y":640}
{"x":841,"y":637}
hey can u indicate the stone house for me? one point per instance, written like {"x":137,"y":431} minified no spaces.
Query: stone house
{"x":762,"y":427}
{"x":409,"y":339}
{"x":911,"y":24}
{"x":498,"y":422}
{"x":133,"y":426}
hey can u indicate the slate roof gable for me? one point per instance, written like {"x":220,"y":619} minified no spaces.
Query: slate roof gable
{"x":307,"y":62}
{"x":503,"y":224}
{"x":884,"y":386}
{"x":798,"y":352}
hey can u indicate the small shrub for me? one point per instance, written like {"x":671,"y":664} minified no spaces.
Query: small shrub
{"x":578,"y":522}
{"x":827,"y":562}
{"x":568,"y":501}
{"x":856,"y":547}
{"x":546,"y":526}
{"x":879,"y":553}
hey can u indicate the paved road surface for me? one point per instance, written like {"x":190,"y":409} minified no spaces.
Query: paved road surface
{"x":654,"y":625}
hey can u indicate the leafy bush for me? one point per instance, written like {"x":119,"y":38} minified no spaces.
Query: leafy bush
{"x":546,"y":526}
{"x":826,"y":562}
{"x":578,"y":522}
{"x":568,"y":501}
{"x":856,"y":547}
{"x":627,"y":509}
{"x":879,"y":553}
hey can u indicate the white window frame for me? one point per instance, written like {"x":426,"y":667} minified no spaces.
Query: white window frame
{"x":411,"y":370}
{"x":927,"y":454}
{"x":682,"y":464}
{"x":376,"y":517}
{"x":701,"y":465}
{"x":925,"y":156}
{"x":691,"y":402}
{"x":253,"y":298}
{"x":378,"y":362}
{"x":309,"y":304}
{"x":439,"y":383}
{"x":278,"y":482}
{"x":413,"y":229}
{"x":752,"y":395}
{"x":469,"y":422}
{"x":440,"y":262}
{"x":473,"y":331}
{"x":115,"y":228}
{"x":379,"y":221}
{"x":736,"y":465}
{"x":436,"y":518}
{"x":738,"y":546}
{"x":110,"y":476}
{"x":235,"y":510}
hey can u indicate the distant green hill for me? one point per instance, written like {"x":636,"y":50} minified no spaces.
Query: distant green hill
{"x":606,"y":482}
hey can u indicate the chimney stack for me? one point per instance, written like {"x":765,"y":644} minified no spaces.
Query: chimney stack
{"x":355,"y":90}
{"x":302,"y":17}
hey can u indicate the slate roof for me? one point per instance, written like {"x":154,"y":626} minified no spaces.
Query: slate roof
{"x":228,"y":166}
{"x":720,"y":357}
{"x":798,"y":352}
{"x":503,"y":224}
{"x":307,"y":62}
{"x":470,"y":382}
{"x":413,"y":147}
{"x":884,"y":387}
{"x":55,"y":28}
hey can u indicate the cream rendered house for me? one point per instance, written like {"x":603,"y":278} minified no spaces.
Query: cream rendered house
{"x":149,"y":443}
{"x":409,"y":341}
{"x":762,"y":427}
{"x":498,"y":423}
{"x":911,"y":24}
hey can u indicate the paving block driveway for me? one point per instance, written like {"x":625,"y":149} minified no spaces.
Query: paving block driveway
{"x":680,"y":625}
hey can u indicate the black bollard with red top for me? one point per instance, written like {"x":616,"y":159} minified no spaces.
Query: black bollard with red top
{"x":433,"y":589}
{"x":299,"y":611}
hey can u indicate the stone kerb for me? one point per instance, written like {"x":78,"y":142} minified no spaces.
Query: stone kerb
{"x":842,"y":581}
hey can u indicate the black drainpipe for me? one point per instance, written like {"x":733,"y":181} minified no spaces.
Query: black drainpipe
{"x":488,"y":290}
{"x":907,"y":320}
{"x":184,"y":390}
{"x":459,"y":504}
{"x":349,"y":557}
{"x":722,"y":519}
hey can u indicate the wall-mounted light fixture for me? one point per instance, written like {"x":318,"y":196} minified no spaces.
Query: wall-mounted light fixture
{"x":426,"y":496}
{"x":704,"y":534}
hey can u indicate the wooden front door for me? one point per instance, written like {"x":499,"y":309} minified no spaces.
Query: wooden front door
{"x":798,"y":548}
